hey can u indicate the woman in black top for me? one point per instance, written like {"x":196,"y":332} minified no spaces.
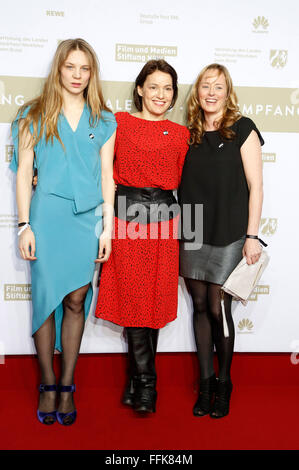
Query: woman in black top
{"x":223,"y":172}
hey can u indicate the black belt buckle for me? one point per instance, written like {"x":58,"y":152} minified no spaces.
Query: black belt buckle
{"x":150,"y":202}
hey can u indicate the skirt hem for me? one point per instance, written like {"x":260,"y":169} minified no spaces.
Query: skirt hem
{"x":125,"y":324}
{"x":58,"y":320}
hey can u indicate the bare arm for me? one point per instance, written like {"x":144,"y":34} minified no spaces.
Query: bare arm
{"x":24,"y":189}
{"x":252,"y":161}
{"x":108,"y":189}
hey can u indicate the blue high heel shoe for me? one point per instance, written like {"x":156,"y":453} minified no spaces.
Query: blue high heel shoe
{"x":42,"y":415}
{"x":73,"y":414}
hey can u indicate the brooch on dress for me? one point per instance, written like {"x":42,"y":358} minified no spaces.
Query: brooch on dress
{"x":91,"y":136}
{"x":165,"y":132}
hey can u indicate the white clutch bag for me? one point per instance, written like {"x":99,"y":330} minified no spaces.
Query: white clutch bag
{"x":245,"y":277}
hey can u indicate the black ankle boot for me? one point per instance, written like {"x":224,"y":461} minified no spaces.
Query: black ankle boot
{"x":145,"y":395}
{"x":207,"y":388}
{"x":222,"y":399}
{"x":141,"y":389}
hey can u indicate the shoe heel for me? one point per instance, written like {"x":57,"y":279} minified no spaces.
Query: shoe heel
{"x":222,"y":399}
{"x":72,"y":414}
{"x":207,"y":389}
{"x":42,"y":415}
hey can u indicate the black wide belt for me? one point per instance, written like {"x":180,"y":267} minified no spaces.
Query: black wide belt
{"x":145,"y":205}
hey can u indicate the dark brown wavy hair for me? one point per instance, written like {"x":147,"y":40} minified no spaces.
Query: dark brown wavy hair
{"x":150,"y":67}
{"x":196,"y":117}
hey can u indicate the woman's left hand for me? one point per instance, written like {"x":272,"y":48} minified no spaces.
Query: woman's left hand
{"x":104,"y":248}
{"x":252,"y":250}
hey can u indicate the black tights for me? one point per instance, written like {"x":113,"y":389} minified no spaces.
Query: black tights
{"x":208,"y":327}
{"x":71,"y":335}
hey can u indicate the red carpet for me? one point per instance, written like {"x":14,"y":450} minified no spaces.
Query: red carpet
{"x":264,"y":407}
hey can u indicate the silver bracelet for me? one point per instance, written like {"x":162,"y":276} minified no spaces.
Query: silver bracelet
{"x":23,"y":228}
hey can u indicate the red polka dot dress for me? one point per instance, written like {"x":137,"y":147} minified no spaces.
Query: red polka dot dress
{"x":139,"y":282}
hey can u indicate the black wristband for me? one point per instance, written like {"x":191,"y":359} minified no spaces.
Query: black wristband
{"x":21,"y":224}
{"x":255,"y":237}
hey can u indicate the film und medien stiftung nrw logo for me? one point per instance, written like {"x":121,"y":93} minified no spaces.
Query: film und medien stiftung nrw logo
{"x":17,"y":292}
{"x":269,"y":157}
{"x":259,"y":290}
{"x":143,"y":52}
{"x":8,"y":153}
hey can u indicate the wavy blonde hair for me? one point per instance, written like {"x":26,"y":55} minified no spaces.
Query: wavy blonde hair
{"x":45,"y":109}
{"x":196,"y":117}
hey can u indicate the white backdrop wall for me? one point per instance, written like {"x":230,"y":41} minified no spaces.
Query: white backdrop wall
{"x":258,"y":41}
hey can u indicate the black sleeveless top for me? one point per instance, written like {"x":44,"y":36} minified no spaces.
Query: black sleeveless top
{"x":213,"y":175}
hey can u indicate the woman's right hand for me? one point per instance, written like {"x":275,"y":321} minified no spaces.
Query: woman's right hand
{"x":27,"y":245}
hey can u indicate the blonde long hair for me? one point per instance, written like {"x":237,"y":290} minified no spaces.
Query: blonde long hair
{"x":44,"y":110}
{"x":196,"y":118}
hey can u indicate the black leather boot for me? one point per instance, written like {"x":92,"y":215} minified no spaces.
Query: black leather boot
{"x":222,"y":399}
{"x":128,"y":396}
{"x":129,"y":393}
{"x":145,"y":394}
{"x":141,"y":343}
{"x":207,"y":388}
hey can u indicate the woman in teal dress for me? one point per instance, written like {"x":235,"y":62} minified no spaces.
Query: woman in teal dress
{"x":68,"y":134}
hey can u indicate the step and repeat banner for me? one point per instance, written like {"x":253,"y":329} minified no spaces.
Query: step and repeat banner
{"x":258,"y":41}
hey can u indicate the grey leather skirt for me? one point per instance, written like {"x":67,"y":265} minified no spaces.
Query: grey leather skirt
{"x":210,"y":263}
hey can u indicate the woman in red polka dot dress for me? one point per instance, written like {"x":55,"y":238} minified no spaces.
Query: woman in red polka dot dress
{"x":139,"y":283}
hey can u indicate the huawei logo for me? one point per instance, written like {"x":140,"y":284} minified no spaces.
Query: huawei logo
{"x":260,"y":23}
{"x":245,"y":325}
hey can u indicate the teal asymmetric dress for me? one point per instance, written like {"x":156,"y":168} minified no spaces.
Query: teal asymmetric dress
{"x":65,"y":213}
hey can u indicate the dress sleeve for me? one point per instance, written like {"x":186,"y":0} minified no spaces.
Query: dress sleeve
{"x":15,"y":137}
{"x":108,"y":126}
{"x":245,"y":126}
{"x":183,"y":152}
